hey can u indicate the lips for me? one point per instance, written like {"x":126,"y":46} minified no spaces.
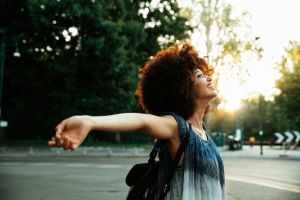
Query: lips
{"x":211,"y":86}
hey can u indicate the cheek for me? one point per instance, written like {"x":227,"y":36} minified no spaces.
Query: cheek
{"x":200,"y":87}
{"x":200,"y":84}
{"x":202,"y":91}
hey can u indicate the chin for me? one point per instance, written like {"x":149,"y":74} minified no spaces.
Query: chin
{"x":208,"y":95}
{"x":213,"y":95}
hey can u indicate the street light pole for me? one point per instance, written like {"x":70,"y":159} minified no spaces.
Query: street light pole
{"x":4,"y":123}
{"x":2,"y":56}
{"x":261,"y":132}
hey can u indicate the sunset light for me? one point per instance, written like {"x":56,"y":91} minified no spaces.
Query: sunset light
{"x":253,"y":75}
{"x":256,"y":78}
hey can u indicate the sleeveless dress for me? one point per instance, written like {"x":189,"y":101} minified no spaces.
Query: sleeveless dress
{"x":202,"y":175}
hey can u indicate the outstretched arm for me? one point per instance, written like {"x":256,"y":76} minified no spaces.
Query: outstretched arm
{"x":71,"y":132}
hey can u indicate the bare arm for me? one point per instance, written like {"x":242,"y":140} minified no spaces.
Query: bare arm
{"x":155,"y":126}
{"x":70,"y":133}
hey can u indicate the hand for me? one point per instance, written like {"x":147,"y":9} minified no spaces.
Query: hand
{"x":71,"y":132}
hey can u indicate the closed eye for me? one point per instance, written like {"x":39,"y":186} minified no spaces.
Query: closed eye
{"x":200,"y":75}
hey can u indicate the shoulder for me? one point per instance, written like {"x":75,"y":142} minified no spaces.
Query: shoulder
{"x":177,"y":123}
{"x":161,"y":127}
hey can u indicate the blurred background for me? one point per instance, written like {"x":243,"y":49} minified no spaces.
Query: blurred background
{"x":62,"y":57}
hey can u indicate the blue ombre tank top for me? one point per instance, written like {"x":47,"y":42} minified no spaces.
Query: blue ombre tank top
{"x":202,"y":175}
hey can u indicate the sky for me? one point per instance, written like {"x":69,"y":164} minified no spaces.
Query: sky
{"x":275,"y":22}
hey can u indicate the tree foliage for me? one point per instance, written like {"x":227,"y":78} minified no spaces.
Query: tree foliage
{"x":219,"y":31}
{"x":223,"y":35}
{"x":287,"y":107}
{"x":273,"y":116}
{"x":79,"y":57}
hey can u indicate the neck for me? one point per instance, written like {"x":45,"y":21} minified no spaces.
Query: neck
{"x":197,"y":117}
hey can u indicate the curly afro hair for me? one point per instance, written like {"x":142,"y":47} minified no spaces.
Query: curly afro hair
{"x":166,"y":81}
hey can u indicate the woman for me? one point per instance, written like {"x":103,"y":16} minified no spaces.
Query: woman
{"x":177,"y":82}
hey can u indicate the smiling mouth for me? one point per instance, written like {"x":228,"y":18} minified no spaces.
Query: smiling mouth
{"x":210,"y":86}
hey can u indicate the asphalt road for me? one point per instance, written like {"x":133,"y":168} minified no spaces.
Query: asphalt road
{"x":100,"y":178}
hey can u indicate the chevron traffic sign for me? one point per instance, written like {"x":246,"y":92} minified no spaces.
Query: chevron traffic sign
{"x":287,"y":136}
{"x":280,"y":138}
{"x":297,"y":136}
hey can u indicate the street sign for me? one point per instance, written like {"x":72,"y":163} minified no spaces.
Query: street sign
{"x":280,"y":138}
{"x":287,"y":136}
{"x":297,"y":136}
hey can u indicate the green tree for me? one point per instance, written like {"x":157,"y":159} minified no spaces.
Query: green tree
{"x":80,"y":57}
{"x":281,"y":114}
{"x":220,"y":32}
{"x":287,"y":107}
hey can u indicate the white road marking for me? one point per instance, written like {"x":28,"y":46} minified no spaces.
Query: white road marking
{"x":108,"y":166}
{"x":276,"y":183}
{"x":265,"y":182}
{"x":11,"y":163}
{"x":75,"y":165}
{"x":102,"y":166}
{"x":42,"y":164}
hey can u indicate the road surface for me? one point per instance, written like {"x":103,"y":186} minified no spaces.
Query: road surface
{"x":102,"y":178}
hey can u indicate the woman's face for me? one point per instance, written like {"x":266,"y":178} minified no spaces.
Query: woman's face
{"x":203,"y":86}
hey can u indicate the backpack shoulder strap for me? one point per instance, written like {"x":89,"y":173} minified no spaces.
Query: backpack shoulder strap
{"x":184,"y":129}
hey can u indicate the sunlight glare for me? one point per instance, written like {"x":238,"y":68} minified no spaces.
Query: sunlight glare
{"x":254,"y":76}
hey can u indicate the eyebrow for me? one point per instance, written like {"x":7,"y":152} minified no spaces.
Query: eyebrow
{"x":198,"y":71}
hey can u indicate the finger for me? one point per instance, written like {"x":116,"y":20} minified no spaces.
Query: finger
{"x":58,"y":141}
{"x":66,"y":144}
{"x":59,"y":128}
{"x":73,"y":146}
{"x":51,"y":143}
